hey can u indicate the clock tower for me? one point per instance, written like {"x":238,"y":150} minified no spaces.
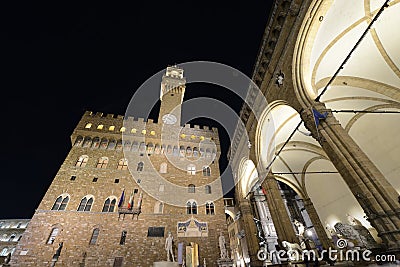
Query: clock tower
{"x":172,"y":91}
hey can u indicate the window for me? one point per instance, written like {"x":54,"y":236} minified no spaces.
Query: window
{"x":118,"y":261}
{"x":153,"y":133}
{"x":109,"y":205}
{"x":191,"y":188}
{"x":123,"y":238}
{"x":73,"y":177}
{"x":116,"y":181}
{"x":86,"y":204}
{"x":94,"y":237}
{"x":61,"y":203}
{"x":133,"y":130}
{"x":53,"y":235}
{"x":88,"y":126}
{"x":143,"y":131}
{"x":175,"y":151}
{"x":102,"y":163}
{"x":140,"y":166}
{"x":210,"y":208}
{"x":96,"y":142}
{"x":112,"y":128}
{"x":191,"y":207}
{"x":19,"y":238}
{"x":100,"y":127}
{"x":206,"y":171}
{"x":208,"y":189}
{"x":4,"y":252}
{"x":182,"y":151}
{"x":191,"y":169}
{"x":82,"y":161}
{"x":189,"y":152}
{"x":163,"y":167}
{"x":87,"y":142}
{"x":19,"y":225}
{"x":122,"y":164}
{"x":11,"y":238}
{"x":95,"y":179}
{"x":122,"y":130}
{"x":195,"y":152}
{"x":158,"y":207}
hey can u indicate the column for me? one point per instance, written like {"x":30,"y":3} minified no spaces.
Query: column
{"x":373,"y":192}
{"x":276,"y":205}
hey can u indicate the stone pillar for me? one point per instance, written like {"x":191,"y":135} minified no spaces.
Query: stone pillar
{"x":276,"y":205}
{"x":250,"y":231}
{"x":374,"y":193}
{"x":319,"y":228}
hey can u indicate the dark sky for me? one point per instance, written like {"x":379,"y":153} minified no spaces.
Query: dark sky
{"x":58,"y":60}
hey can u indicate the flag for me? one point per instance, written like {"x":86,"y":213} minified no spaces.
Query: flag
{"x":130,"y":203}
{"x":318,"y":116}
{"x":140,"y":200}
{"x":121,"y":199}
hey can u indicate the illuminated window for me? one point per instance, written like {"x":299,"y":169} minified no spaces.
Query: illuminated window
{"x":112,"y":128}
{"x":94,"y":237}
{"x":191,"y":169}
{"x":122,"y":130}
{"x":191,"y":188}
{"x":53,"y":235}
{"x":210,"y":208}
{"x":206,"y":171}
{"x":100,"y":127}
{"x":82,"y":161}
{"x":88,"y":126}
{"x":133,"y":130}
{"x":193,"y":136}
{"x":122,"y":164}
{"x":183,"y":136}
{"x":143,"y":131}
{"x":102,"y":163}
{"x":153,"y":133}
{"x":86,"y":204}
{"x":201,"y":138}
{"x":109,"y":204}
{"x":61,"y":203}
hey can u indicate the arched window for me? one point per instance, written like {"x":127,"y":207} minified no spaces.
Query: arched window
{"x":163,"y":167}
{"x":175,"y":151}
{"x":135,"y":146}
{"x":109,"y":204}
{"x":103,"y":143}
{"x":182,"y":151}
{"x":53,"y":235}
{"x":102,"y":163}
{"x":202,"y":154}
{"x":189,"y":152}
{"x":162,"y":151}
{"x":208,"y":153}
{"x":169,"y":150}
{"x":86,"y":203}
{"x":112,"y":144}
{"x":191,"y":207}
{"x":82,"y":160}
{"x":208,"y":189}
{"x":210,"y":208}
{"x":191,"y":169}
{"x":60,"y":203}
{"x":4,"y":252}
{"x":140,"y":166}
{"x":95,"y":235}
{"x":157,"y":149}
{"x":191,"y":188}
{"x":142,"y":147}
{"x":195,"y":152}
{"x":119,"y":145}
{"x":206,"y":171}
{"x":158,"y":207}
{"x":150,"y":148}
{"x":11,"y":238}
{"x":127,"y":145}
{"x":87,"y":141}
{"x":122,"y":164}
{"x":96,"y":142}
{"x":78,"y":141}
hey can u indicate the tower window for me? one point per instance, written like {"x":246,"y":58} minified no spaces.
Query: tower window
{"x":86,"y":204}
{"x":60,"y":203}
{"x":210,"y":208}
{"x":109,"y":205}
{"x":208,"y":189}
{"x":95,"y":179}
{"x":191,"y":188}
{"x":206,"y":171}
{"x":122,"y":130}
{"x":191,"y":169}
{"x":95,"y":235}
{"x":140,"y":166}
{"x":111,"y":128}
{"x":100,"y":127}
{"x":82,"y":161}
{"x":88,"y":126}
{"x":73,"y":177}
{"x":191,"y":207}
{"x":122,"y":164}
{"x":102,"y":163}
{"x":123,"y":238}
{"x":116,"y":181}
{"x":53,"y":235}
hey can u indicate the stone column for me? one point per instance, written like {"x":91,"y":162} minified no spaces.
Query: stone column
{"x":279,"y":215}
{"x":250,"y":231}
{"x":374,"y":193}
{"x":319,"y":228}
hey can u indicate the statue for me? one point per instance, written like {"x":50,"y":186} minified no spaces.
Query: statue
{"x":168,"y":247}
{"x":300,"y":228}
{"x":222,"y":247}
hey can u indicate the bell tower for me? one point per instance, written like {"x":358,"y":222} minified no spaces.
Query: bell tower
{"x":173,"y":86}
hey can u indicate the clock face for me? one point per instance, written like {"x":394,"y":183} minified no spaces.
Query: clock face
{"x":169,"y":119}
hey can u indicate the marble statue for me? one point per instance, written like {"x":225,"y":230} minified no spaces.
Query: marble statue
{"x":168,"y":247}
{"x":222,"y":246}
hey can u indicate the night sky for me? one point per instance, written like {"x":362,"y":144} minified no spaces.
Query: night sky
{"x":58,"y":60}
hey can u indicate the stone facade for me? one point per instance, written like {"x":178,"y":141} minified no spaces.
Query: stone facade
{"x":11,"y":231}
{"x":162,"y":161}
